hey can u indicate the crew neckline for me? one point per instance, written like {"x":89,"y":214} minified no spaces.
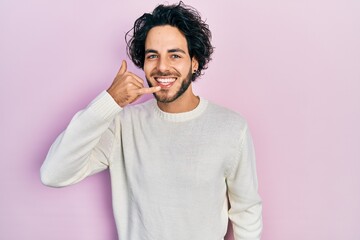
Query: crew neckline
{"x":183,"y":116}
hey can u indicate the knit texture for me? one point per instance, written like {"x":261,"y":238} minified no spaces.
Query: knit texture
{"x":172,"y":174}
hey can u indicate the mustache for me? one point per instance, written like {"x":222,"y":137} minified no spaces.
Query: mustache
{"x":165,"y":74}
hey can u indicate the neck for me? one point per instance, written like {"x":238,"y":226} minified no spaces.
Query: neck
{"x":185,"y":103}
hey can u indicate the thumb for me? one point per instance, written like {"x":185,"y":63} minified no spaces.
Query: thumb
{"x":123,"y":68}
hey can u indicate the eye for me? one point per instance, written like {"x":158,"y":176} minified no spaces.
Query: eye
{"x":175,"y":56}
{"x":151,"y":56}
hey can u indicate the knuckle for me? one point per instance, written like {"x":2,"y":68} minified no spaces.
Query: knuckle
{"x":140,"y":91}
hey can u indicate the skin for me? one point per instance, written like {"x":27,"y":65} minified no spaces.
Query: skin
{"x":168,"y":69}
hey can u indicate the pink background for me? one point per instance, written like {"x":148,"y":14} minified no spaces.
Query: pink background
{"x":292,"y":68}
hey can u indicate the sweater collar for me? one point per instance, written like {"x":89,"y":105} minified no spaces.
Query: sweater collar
{"x":181,"y":117}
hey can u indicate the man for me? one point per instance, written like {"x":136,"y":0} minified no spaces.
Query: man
{"x":175,"y":162}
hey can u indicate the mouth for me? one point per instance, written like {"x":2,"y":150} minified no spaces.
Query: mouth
{"x":165,"y":82}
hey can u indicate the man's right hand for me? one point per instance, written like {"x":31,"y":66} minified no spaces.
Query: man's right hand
{"x":128,"y":87}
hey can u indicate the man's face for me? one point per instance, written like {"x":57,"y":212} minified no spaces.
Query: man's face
{"x":168,"y":63}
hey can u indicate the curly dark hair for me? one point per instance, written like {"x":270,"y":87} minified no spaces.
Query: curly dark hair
{"x":186,"y":19}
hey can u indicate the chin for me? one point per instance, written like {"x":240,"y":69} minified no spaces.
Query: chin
{"x":165,"y":98}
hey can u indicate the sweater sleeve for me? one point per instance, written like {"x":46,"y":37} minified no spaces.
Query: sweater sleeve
{"x":245,"y":211}
{"x":84,"y":147}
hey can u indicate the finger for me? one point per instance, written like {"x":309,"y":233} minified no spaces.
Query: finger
{"x":148,"y":90}
{"x":139,"y":79}
{"x":132,"y":83}
{"x":135,"y":99}
{"x":123,"y":68}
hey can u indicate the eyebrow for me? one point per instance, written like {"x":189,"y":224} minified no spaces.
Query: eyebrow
{"x":169,"y":51}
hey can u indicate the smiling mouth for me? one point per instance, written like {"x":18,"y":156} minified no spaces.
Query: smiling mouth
{"x":165,"y":82}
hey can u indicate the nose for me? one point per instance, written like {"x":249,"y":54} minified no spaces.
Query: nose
{"x":163,"y":64}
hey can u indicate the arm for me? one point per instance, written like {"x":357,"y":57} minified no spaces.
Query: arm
{"x":245,"y":211}
{"x":84,"y":148}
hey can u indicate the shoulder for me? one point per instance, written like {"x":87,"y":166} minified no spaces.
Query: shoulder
{"x":226,"y":116}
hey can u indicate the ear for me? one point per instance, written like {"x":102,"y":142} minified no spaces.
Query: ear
{"x":194,"y":64}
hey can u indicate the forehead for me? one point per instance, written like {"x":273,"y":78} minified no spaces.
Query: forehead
{"x":164,"y":38}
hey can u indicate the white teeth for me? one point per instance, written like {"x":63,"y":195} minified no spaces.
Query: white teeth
{"x":165,"y":80}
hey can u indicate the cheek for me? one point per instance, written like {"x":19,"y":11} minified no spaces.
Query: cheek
{"x":185,"y":68}
{"x":181,"y":66}
{"x":147,"y":68}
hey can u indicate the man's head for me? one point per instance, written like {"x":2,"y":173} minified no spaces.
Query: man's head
{"x":187,"y":20}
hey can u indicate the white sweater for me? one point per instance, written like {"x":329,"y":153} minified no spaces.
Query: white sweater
{"x":171,"y":174}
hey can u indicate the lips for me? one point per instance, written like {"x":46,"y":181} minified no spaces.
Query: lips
{"x":165,"y":82}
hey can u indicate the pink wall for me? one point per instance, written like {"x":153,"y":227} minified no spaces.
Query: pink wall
{"x":292,"y":68}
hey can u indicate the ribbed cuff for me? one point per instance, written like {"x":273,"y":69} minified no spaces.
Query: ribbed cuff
{"x":105,"y":106}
